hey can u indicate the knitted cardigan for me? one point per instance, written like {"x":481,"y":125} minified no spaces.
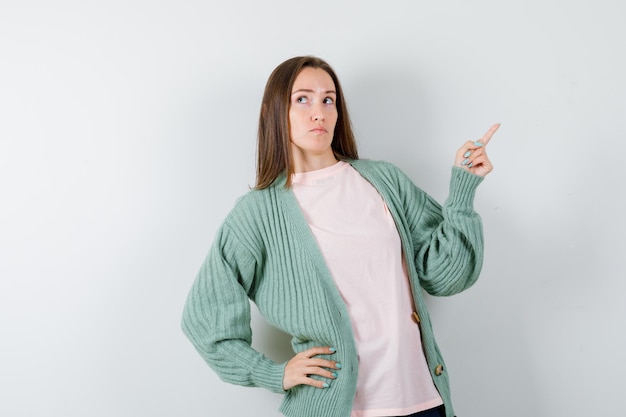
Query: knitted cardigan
{"x":265,"y":252}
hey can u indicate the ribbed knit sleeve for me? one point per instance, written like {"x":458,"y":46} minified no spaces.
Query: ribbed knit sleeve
{"x":216,"y":317}
{"x":448,"y":240}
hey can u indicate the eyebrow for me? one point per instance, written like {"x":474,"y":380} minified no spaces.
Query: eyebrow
{"x":304,"y":90}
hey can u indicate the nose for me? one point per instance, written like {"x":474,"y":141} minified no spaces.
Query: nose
{"x":317,"y":114}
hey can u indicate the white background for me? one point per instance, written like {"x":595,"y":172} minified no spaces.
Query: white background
{"x":128,"y":129}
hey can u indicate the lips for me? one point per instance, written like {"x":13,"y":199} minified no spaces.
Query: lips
{"x":319,"y":130}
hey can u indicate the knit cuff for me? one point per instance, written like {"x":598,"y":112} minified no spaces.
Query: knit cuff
{"x":271,"y":376}
{"x":463,"y":186}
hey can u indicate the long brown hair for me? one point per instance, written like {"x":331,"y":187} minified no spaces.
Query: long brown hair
{"x":274,"y":144}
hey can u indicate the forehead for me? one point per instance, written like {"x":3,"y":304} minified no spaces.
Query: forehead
{"x":314,"y":79}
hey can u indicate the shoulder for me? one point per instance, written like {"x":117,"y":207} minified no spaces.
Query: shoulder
{"x":394,"y":185}
{"x":257,"y":211}
{"x":243,"y":225}
{"x":380,"y":170}
{"x":250,"y":204}
{"x":370,"y":164}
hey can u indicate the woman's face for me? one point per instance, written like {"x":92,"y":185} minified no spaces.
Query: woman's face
{"x":312,"y":116}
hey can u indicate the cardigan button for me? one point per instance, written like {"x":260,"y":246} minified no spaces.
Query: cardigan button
{"x":415,"y":317}
{"x":439,"y":370}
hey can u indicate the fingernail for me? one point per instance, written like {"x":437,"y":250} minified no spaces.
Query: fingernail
{"x":332,"y":350}
{"x":325,"y":385}
{"x":468,"y":153}
{"x":477,"y":143}
{"x":470,"y":164}
{"x":338,"y":365}
{"x":465,"y":161}
{"x":334,"y":374}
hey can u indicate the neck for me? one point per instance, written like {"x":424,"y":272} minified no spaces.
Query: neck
{"x":306,"y":163}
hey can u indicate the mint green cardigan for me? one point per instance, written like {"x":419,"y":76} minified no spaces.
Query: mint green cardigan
{"x":265,"y":252}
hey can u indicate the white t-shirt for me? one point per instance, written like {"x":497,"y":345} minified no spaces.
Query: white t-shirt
{"x":361,"y":246}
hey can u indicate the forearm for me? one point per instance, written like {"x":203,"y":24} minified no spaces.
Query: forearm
{"x":449,"y":250}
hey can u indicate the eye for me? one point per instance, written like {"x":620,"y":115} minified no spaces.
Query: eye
{"x":302,"y":100}
{"x":329,"y":100}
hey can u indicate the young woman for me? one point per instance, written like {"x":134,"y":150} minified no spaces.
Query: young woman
{"x":335,"y":251}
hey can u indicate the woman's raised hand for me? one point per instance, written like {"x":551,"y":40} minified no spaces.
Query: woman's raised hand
{"x":299,"y":369}
{"x":472,"y":156}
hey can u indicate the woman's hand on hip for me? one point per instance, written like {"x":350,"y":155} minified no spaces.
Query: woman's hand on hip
{"x":301,"y":367}
{"x":472,"y":156}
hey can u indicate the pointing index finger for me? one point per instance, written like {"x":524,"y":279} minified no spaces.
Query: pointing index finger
{"x":487,"y":136}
